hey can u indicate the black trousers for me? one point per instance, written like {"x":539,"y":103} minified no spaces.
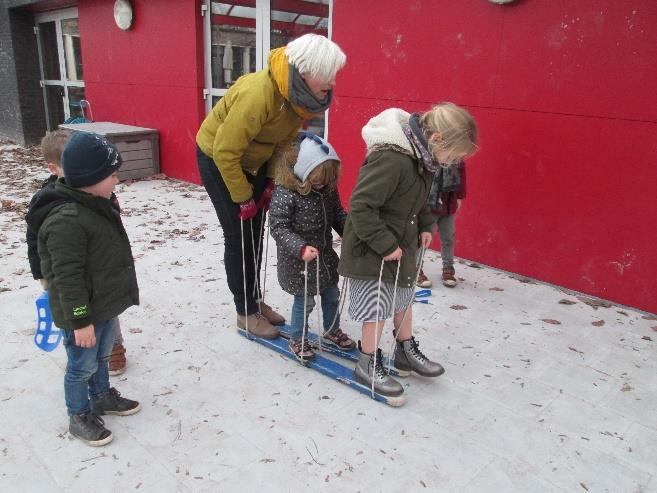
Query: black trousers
{"x":228,"y":214}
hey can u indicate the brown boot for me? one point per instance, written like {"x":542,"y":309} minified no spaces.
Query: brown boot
{"x":423,"y":281}
{"x":273,"y":317}
{"x":448,"y":277}
{"x":117,"y":360}
{"x":259,"y":326}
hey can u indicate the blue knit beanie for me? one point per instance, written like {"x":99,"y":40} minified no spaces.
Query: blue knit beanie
{"x":313,"y":151}
{"x":88,"y":159}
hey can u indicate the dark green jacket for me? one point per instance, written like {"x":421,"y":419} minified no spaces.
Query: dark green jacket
{"x":387,"y":209}
{"x":86,"y":259}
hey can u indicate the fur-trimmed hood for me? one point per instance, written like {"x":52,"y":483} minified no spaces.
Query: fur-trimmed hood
{"x":384,"y":131}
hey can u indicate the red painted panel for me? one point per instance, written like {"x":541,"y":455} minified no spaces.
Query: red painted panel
{"x":585,"y":57}
{"x":150,"y":75}
{"x":431,"y":50}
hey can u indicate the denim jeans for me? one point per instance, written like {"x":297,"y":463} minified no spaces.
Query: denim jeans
{"x":330,"y":301}
{"x":446,"y":233}
{"x":228,"y":215}
{"x":87,"y":374}
{"x":118,"y":336}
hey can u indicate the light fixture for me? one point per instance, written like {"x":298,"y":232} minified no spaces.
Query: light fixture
{"x":123,"y":14}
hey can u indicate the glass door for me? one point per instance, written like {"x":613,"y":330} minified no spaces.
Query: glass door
{"x":60,"y":60}
{"x":240,"y":33}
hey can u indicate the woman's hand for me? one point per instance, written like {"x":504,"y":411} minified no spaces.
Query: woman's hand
{"x":86,"y":336}
{"x":396,"y":255}
{"x":309,"y":253}
{"x":248,"y":210}
{"x":425,"y":239}
{"x":265,"y":198}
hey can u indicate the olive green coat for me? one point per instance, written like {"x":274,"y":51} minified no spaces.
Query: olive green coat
{"x":387,"y":209}
{"x":87,"y":261}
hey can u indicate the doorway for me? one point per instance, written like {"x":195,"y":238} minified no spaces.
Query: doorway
{"x":60,"y":63}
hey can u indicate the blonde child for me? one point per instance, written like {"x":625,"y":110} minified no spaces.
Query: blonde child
{"x":388,"y":218}
{"x":305,"y":209}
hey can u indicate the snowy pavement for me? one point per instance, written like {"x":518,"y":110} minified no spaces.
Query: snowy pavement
{"x":544,"y":390}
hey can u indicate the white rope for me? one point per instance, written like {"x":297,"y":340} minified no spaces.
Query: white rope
{"x":419,"y":264}
{"x":246,"y":315}
{"x":320,"y":327}
{"x":257,"y":255}
{"x":256,"y":280}
{"x":376,"y":324}
{"x":305,"y":299}
{"x":264,"y":273}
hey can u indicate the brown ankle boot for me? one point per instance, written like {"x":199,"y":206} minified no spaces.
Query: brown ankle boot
{"x":273,"y":317}
{"x":259,"y":326}
{"x":448,"y":277}
{"x":117,"y":360}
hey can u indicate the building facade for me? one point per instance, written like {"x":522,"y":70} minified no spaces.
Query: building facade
{"x":563,"y":187}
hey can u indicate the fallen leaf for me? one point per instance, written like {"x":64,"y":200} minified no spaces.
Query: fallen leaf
{"x":583,"y":486}
{"x":626,"y":387}
{"x":595,"y":303}
{"x":496,"y":289}
{"x":551,"y":321}
{"x":598,"y":323}
{"x":135,"y":331}
{"x":567,"y":302}
{"x":649,"y":317}
{"x":458,"y":307}
{"x":647,"y":338}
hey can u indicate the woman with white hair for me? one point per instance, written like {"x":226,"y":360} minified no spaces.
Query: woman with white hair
{"x":238,"y":145}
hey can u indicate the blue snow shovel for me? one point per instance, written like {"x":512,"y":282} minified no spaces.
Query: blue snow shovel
{"x":422,"y":293}
{"x":47,"y":336}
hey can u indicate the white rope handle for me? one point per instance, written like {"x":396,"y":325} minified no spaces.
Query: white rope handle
{"x":256,"y":280}
{"x":246,"y":315}
{"x":395,"y":339}
{"x":305,"y":300}
{"x":320,"y":327}
{"x":257,"y":252}
{"x":376,"y":325}
{"x":264,"y":273}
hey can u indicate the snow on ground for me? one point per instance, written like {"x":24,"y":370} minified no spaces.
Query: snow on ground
{"x":544,"y":390}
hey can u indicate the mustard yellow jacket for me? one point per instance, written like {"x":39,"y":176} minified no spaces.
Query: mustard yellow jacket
{"x":249,"y":124}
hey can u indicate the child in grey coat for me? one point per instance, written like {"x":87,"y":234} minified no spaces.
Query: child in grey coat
{"x":305,"y":208}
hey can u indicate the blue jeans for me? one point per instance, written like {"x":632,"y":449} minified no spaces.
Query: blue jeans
{"x":118,"y":335}
{"x":87,"y":373}
{"x":330,"y":301}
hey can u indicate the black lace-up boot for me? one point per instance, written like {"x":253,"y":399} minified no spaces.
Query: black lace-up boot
{"x":111,"y":402}
{"x":408,"y":357}
{"x":365,"y":370}
{"x":89,"y":428}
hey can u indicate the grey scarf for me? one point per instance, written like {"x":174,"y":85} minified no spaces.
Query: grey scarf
{"x":300,"y":94}
{"x":445,"y":178}
{"x":414,"y":135}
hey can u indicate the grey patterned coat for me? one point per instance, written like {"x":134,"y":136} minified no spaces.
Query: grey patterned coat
{"x":297,"y":220}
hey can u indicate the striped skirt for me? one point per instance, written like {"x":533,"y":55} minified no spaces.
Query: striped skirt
{"x":363,"y":300}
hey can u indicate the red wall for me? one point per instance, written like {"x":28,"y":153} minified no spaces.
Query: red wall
{"x":565,"y":93}
{"x":150,"y":75}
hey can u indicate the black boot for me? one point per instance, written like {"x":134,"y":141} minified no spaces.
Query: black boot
{"x":111,"y":402}
{"x":408,"y":357}
{"x":365,"y":370}
{"x":89,"y":428}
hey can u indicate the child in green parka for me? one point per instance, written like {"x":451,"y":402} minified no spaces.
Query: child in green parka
{"x":87,"y":262}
